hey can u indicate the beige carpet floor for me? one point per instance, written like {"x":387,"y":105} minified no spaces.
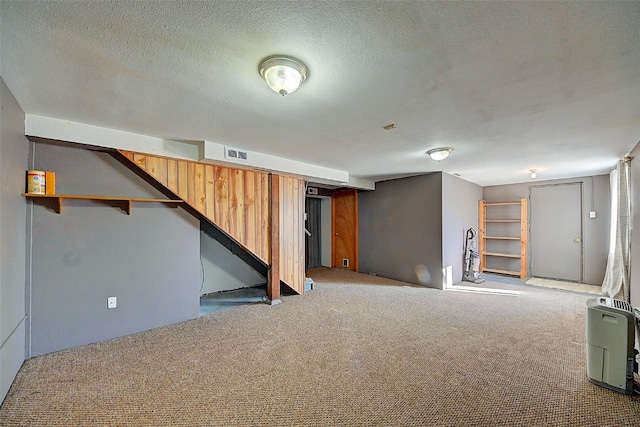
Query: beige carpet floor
{"x":356,"y":351}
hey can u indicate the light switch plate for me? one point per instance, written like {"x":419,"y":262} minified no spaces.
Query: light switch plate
{"x":592,"y":214}
{"x":112,"y":302}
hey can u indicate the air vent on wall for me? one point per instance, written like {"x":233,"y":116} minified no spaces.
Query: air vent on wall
{"x":235,"y":154}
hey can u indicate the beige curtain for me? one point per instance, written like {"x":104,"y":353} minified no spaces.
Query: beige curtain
{"x":616,"y":279}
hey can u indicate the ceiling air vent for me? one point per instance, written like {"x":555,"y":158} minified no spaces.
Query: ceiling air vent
{"x":235,"y":154}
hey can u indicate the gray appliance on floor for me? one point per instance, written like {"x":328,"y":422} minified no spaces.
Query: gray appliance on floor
{"x":610,"y":344}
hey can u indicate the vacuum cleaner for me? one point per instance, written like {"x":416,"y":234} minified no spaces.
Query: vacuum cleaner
{"x":471,"y":258}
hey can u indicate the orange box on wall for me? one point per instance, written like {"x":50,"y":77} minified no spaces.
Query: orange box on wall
{"x":50,"y":183}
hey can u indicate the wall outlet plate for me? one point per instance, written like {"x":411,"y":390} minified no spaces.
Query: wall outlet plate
{"x":592,"y":214}
{"x":112,"y":302}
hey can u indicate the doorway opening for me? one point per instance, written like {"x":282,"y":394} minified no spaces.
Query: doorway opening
{"x":318,"y":225}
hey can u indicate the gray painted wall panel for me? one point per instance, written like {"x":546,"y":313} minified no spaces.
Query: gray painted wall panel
{"x":596,"y":195}
{"x":400,"y":229}
{"x":459,"y":213}
{"x":14,"y":150}
{"x":223,"y":270}
{"x":148,"y":260}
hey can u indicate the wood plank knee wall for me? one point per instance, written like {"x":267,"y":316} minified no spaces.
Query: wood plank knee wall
{"x":237,"y":202}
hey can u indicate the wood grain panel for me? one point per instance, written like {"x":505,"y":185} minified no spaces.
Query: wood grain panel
{"x":161,"y":171}
{"x":292,"y":233}
{"x":264,"y":216}
{"x":172,"y":175}
{"x":482,"y":227}
{"x":191,"y":183}
{"x":221,"y":217}
{"x":523,"y":238}
{"x":200,"y":192}
{"x":237,"y":201}
{"x":140,"y":160}
{"x":273,"y":275}
{"x":236,"y":205}
{"x":183,"y":180}
{"x":249,"y":210}
{"x":210,"y":187}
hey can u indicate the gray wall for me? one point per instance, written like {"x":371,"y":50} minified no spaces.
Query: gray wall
{"x":400,"y":230}
{"x":459,"y":213}
{"x":148,"y":260}
{"x":14,"y":152}
{"x":596,"y":195}
{"x":223,"y":270}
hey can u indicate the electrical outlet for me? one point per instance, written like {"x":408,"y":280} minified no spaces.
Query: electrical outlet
{"x":112,"y":302}
{"x":345,"y":262}
{"x":592,"y":214}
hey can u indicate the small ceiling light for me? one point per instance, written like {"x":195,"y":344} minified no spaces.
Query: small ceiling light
{"x":534,"y":175}
{"x":283,"y":73}
{"x":438,"y":154}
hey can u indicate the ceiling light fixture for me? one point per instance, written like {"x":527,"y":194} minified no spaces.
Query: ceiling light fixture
{"x":283,"y":73}
{"x":438,"y":154}
{"x":534,"y":175}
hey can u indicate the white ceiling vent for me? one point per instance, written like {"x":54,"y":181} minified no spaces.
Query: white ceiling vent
{"x":235,"y":154}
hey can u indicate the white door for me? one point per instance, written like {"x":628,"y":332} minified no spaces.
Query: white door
{"x":556,"y":231}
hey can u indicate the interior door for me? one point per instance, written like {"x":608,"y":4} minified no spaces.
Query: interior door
{"x":344,"y":224}
{"x":556,"y":231}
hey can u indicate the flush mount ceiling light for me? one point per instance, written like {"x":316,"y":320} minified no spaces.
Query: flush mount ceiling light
{"x":534,"y":175}
{"x":283,"y":73}
{"x":438,"y":154}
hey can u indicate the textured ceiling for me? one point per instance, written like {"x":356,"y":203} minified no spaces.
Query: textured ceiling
{"x":510,"y":86}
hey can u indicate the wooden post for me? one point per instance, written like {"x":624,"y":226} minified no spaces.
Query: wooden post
{"x":482,"y":218}
{"x":273,"y":276}
{"x":524,"y":238}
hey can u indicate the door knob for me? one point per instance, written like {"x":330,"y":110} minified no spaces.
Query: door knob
{"x":576,"y":240}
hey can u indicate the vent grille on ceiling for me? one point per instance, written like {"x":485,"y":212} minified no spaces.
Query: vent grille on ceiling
{"x":235,"y":154}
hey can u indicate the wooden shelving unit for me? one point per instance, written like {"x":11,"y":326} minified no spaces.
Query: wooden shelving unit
{"x":513,"y":235}
{"x":54,"y":201}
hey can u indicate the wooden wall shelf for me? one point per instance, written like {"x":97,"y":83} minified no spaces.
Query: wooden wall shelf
{"x":54,"y":201}
{"x":518,"y":234}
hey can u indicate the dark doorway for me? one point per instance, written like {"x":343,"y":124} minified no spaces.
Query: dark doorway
{"x":313,"y":255}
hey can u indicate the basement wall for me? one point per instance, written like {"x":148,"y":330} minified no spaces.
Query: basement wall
{"x":400,"y":230}
{"x":459,"y":213}
{"x":149,"y":260}
{"x":14,"y":154}
{"x":595,"y":195}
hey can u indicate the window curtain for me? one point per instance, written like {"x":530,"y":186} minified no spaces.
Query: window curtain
{"x":617,"y":275}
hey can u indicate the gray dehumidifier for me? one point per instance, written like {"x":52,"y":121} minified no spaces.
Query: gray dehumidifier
{"x":610,"y":344}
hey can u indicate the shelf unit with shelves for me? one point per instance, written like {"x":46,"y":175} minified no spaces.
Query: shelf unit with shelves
{"x":505,"y":237}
